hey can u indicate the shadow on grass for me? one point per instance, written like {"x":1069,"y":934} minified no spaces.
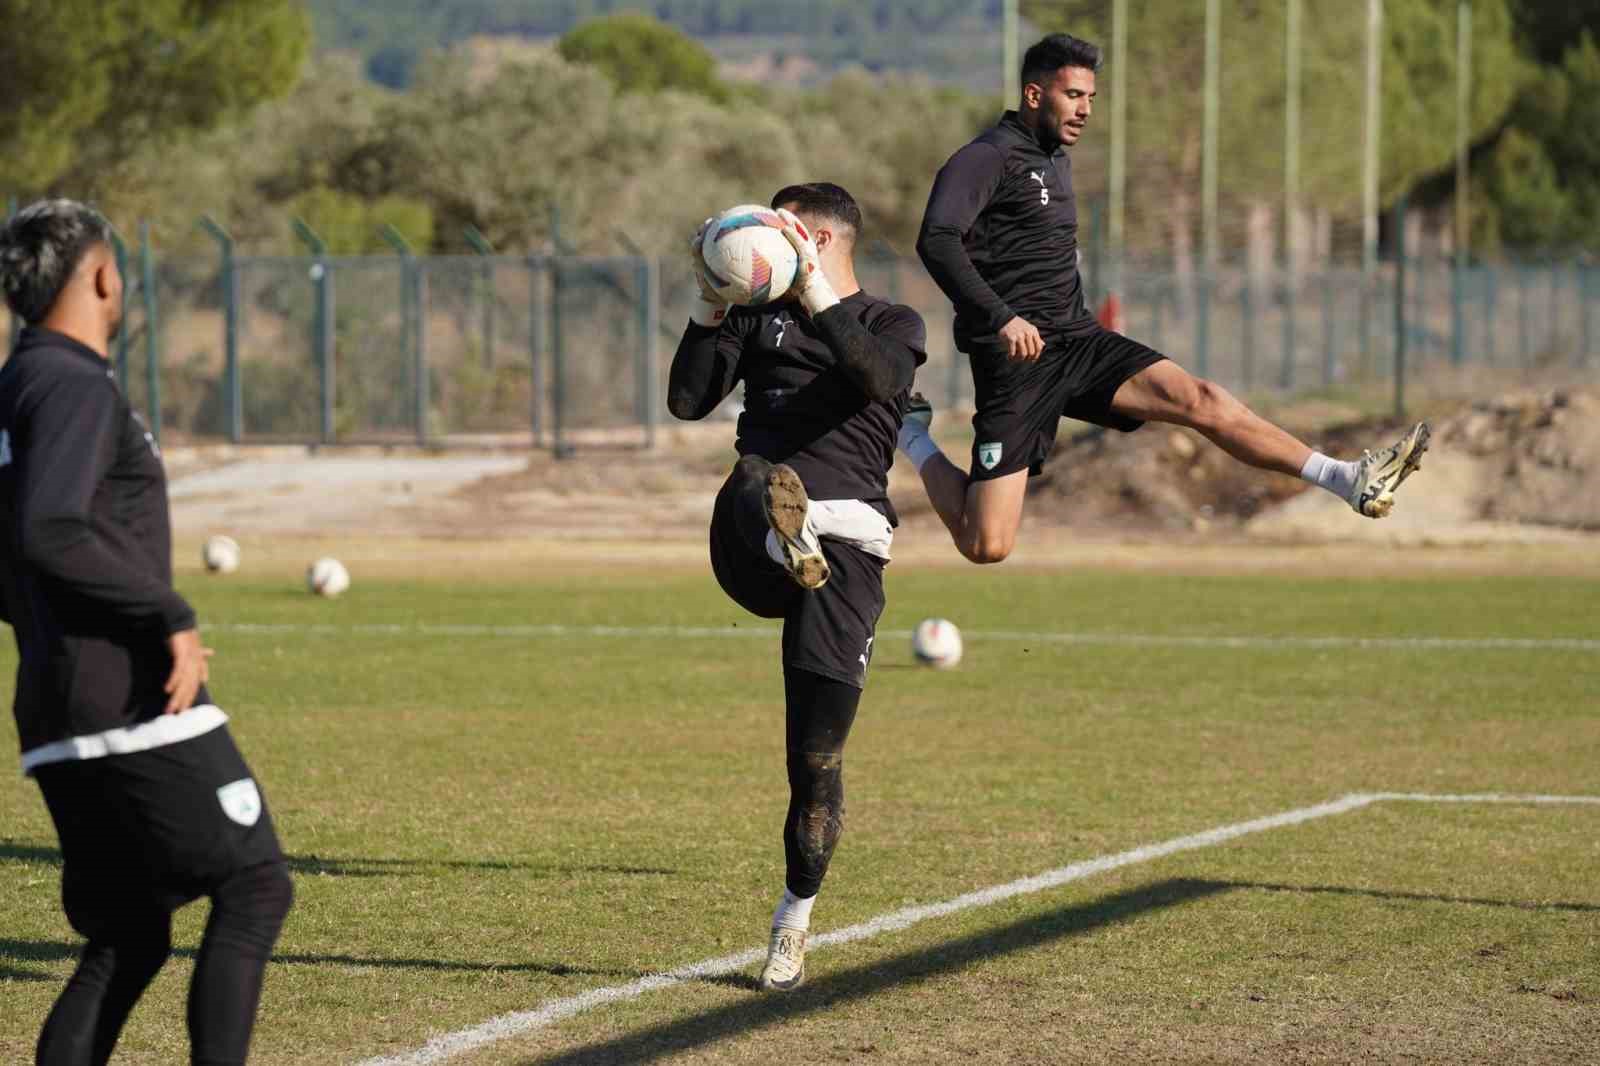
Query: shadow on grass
{"x":833,"y":989}
{"x":54,"y":951}
{"x":334,"y":866}
{"x":1420,"y":897}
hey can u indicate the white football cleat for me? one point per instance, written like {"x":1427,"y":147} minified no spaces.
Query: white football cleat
{"x":1379,"y":473}
{"x":786,"y":960}
{"x":787,"y":512}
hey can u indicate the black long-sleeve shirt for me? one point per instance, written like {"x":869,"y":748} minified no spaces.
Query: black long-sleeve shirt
{"x":85,"y":546}
{"x":1000,"y":236}
{"x":825,"y":396}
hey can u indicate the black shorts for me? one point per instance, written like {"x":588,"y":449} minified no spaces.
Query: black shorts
{"x":1021,"y":404}
{"x":142,"y":834}
{"x":826,"y":631}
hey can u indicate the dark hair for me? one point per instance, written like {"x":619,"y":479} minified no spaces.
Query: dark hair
{"x":1056,"y":51}
{"x":39,"y":250}
{"x":824,"y":200}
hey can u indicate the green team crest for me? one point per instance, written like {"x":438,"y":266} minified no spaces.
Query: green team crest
{"x":989,"y":455}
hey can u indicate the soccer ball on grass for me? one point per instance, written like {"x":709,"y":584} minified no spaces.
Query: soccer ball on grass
{"x":936,"y":642}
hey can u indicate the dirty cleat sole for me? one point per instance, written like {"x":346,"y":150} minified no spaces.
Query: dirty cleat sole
{"x":787,"y":505}
{"x":1381,"y":473}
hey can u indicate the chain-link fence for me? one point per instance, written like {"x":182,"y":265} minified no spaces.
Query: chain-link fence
{"x":567,"y":352}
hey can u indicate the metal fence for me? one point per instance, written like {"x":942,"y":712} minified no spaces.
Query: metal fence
{"x":568,"y":351}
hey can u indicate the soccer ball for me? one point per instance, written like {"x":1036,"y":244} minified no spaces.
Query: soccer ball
{"x":220,"y":554}
{"x":748,"y":259}
{"x":327,"y":577}
{"x":937,"y":643}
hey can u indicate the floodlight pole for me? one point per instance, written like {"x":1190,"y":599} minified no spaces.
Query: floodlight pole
{"x":1371,"y":134}
{"x":322,"y":327}
{"x":229,"y":280}
{"x":1116,"y":193}
{"x":1463,"y":147}
{"x":1291,"y":186}
{"x":1011,"y":57}
{"x":1208,"y":162}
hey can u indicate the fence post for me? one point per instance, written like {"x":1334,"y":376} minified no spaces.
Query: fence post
{"x":229,"y":280}
{"x":410,"y":325}
{"x":1400,"y":307}
{"x":481,"y":245}
{"x":1286,"y":377}
{"x":1458,"y":313}
{"x":322,"y":325}
{"x":1522,"y":315}
{"x":535,"y":350}
{"x":650,"y":280}
{"x":152,"y":330}
{"x":1247,"y":329}
{"x":120,"y":250}
{"x":11,"y":316}
{"x":1585,"y":328}
{"x":1329,"y":359}
{"x":558,"y":352}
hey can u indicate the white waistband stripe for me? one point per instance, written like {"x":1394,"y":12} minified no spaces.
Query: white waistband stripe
{"x":155,"y":733}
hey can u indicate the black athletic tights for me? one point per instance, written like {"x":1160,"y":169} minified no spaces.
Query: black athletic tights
{"x":819,"y":712}
{"x":247,"y":911}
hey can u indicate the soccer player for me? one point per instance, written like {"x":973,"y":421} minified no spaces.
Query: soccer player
{"x":153,"y":804}
{"x":801,"y":530}
{"x":1000,"y":237}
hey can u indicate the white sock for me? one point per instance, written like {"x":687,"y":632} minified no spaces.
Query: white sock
{"x":917,"y":443}
{"x":1335,"y":475}
{"x":793,"y":912}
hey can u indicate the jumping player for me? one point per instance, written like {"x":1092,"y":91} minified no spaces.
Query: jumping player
{"x":153,"y":804}
{"x":801,"y":530}
{"x":1000,"y":237}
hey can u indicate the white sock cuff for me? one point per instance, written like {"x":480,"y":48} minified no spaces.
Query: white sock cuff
{"x":793,"y":912}
{"x":919,"y":447}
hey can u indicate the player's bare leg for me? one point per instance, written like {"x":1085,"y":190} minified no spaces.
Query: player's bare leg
{"x":982,"y":516}
{"x":1165,"y":392}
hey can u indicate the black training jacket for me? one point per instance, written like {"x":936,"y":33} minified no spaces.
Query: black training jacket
{"x":800,"y":405}
{"x":86,"y":553}
{"x":1000,"y":236}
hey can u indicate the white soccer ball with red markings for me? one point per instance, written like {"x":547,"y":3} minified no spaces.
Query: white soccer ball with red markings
{"x":327,"y":577}
{"x":221,"y":554}
{"x":748,"y":259}
{"x":936,"y":642}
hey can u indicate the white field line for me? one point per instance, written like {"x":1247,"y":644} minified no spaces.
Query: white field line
{"x":505,"y":1026}
{"x":1148,"y":640}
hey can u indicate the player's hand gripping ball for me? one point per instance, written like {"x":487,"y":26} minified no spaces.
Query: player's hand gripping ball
{"x":746,"y":257}
{"x":709,"y":307}
{"x":936,"y":642}
{"x":810,"y":284}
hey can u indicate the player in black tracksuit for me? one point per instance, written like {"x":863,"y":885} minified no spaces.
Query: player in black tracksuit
{"x":1000,"y":238}
{"x":153,"y":804}
{"x":801,"y":529}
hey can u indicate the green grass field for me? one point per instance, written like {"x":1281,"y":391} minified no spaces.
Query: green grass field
{"x":480,"y":823}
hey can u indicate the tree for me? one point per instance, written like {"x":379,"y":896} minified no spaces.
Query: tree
{"x":91,"y":79}
{"x":641,"y":55}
